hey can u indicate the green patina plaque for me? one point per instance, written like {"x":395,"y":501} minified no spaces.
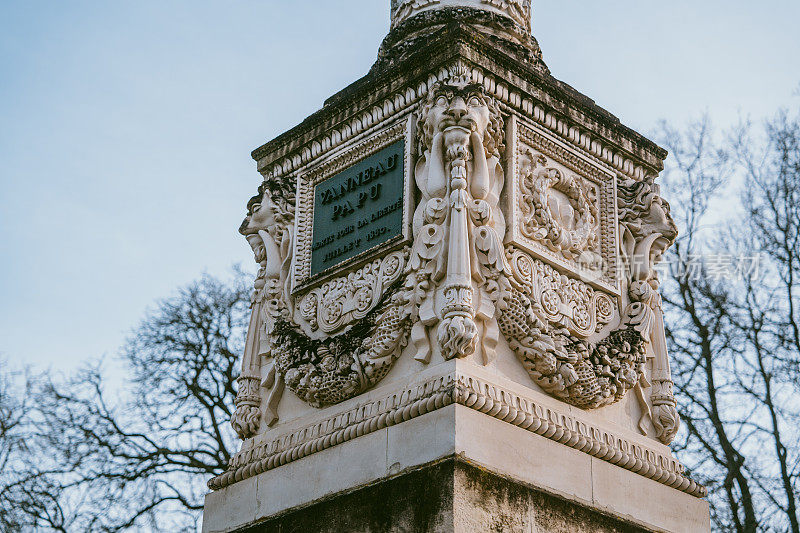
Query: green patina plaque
{"x":359,"y":209}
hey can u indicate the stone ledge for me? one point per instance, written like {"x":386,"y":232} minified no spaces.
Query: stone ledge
{"x":536,"y":415}
{"x":521,"y":457}
{"x":446,"y":496}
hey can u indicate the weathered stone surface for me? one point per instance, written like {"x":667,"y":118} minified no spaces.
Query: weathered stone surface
{"x":449,"y":496}
{"x":492,"y":445}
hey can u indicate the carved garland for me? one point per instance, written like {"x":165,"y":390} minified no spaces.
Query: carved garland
{"x":564,"y":365}
{"x":604,"y":220}
{"x":539,"y":221}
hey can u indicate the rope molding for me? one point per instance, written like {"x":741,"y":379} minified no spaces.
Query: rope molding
{"x":475,"y":394}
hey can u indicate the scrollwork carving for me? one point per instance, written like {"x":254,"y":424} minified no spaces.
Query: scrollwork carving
{"x":560,"y":299}
{"x":346,"y":299}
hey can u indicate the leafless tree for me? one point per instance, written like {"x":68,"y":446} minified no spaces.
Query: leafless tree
{"x":109,"y":451}
{"x":771,"y":309}
{"x":135,"y":450}
{"x":700,"y":332}
{"x":732,"y":332}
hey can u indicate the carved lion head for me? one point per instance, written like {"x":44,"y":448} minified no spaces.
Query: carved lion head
{"x":463,"y":106}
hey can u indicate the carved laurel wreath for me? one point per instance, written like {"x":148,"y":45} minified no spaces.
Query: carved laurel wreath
{"x":539,"y":222}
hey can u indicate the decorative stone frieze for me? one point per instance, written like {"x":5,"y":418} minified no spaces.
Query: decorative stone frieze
{"x":474,"y":393}
{"x":517,"y":10}
{"x":397,"y":104}
{"x":461,"y":286}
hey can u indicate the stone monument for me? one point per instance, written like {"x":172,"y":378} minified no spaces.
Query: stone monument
{"x":456,"y":325}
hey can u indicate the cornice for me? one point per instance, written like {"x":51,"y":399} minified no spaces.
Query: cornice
{"x":383,"y":93}
{"x":474,"y":393}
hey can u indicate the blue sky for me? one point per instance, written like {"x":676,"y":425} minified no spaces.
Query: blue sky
{"x":126,"y":127}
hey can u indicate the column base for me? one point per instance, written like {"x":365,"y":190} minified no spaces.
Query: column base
{"x":449,"y":496}
{"x":452,"y":470}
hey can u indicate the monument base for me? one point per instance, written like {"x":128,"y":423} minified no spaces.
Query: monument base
{"x":447,"y":496}
{"x":466,"y":472}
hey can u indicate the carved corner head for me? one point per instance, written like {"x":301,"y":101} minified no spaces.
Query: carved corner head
{"x":648,"y":228}
{"x":463,"y":106}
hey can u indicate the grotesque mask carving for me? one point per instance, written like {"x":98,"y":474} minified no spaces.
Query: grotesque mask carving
{"x":460,"y":177}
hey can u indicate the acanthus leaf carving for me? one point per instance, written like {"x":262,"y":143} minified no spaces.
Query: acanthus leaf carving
{"x":519,"y":10}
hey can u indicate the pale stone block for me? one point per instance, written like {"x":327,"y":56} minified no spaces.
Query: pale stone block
{"x":522,"y":455}
{"x":644,"y":501}
{"x":422,"y":440}
{"x":342,"y":467}
{"x":225,"y":509}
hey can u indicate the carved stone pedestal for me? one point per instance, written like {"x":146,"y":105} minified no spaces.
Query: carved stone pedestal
{"x":448,"y":496}
{"x":473,"y":473}
{"x":457,"y":324}
{"x":463,"y":451}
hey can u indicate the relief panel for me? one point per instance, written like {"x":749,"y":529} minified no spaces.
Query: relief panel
{"x":562,"y":208}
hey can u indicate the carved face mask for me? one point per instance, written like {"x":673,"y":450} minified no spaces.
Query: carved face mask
{"x":455,"y":107}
